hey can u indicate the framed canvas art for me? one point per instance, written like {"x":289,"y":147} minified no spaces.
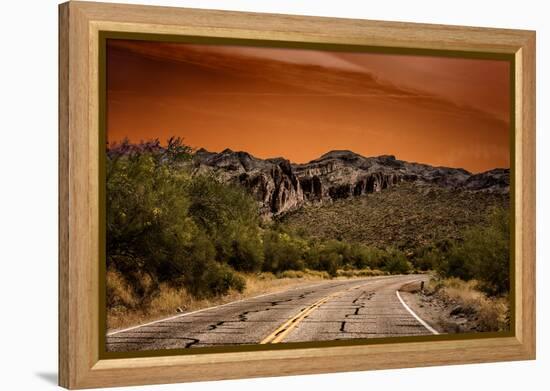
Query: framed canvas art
{"x":248,"y":195}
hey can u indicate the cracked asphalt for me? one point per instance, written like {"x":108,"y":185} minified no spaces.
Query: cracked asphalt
{"x":359,"y":308}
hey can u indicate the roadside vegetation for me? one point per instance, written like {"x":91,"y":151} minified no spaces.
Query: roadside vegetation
{"x":178,"y":241}
{"x":467,"y":308}
{"x":473,"y":275}
{"x":482,"y":255}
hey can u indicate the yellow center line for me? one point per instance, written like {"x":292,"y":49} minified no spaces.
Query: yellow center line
{"x":283,"y":330}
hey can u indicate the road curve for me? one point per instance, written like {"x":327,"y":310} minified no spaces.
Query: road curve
{"x":340,"y":309}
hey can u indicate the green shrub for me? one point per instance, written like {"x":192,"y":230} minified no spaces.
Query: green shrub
{"x":456,"y":263}
{"x":425,"y":258}
{"x":486,"y":250}
{"x":367,"y":257}
{"x":330,"y":262}
{"x":218,"y":279}
{"x":282,"y":252}
{"x":332,"y":255}
{"x":247,"y":253}
{"x":483,"y":255}
{"x":324,"y":256}
{"x":395,"y":262}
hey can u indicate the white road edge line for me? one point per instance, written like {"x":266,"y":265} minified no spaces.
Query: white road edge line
{"x":203,"y":309}
{"x":420,"y":320}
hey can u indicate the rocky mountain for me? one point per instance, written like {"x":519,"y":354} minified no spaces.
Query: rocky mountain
{"x":281,"y":186}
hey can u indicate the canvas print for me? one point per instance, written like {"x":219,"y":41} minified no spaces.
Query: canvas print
{"x":269,"y":195}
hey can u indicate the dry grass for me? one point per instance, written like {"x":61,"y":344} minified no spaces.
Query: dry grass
{"x":305,"y":274}
{"x":127,"y":310}
{"x":491,"y":314}
{"x":351,"y":273}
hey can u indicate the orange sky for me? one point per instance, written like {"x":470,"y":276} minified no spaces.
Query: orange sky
{"x":300,"y":104}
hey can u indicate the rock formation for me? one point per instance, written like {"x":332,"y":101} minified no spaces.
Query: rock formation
{"x":280,"y":186}
{"x":271,"y":181}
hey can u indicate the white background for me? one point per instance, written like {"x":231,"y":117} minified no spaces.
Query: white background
{"x":28,"y":194}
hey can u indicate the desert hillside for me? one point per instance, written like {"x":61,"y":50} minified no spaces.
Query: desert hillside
{"x":406,"y":216}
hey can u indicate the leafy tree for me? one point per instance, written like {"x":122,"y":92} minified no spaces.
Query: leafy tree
{"x":147,"y":221}
{"x":230,"y":218}
{"x":151,"y":227}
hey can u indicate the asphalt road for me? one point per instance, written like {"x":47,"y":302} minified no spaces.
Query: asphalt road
{"x":341,"y":309}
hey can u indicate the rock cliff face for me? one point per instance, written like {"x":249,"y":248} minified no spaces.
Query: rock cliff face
{"x":280,"y":186}
{"x":493,"y":181}
{"x":271,"y":181}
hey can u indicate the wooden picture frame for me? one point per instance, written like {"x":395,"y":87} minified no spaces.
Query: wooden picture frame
{"x":80,"y":362}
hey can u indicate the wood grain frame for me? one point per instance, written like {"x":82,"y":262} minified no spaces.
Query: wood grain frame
{"x":80,"y":365}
